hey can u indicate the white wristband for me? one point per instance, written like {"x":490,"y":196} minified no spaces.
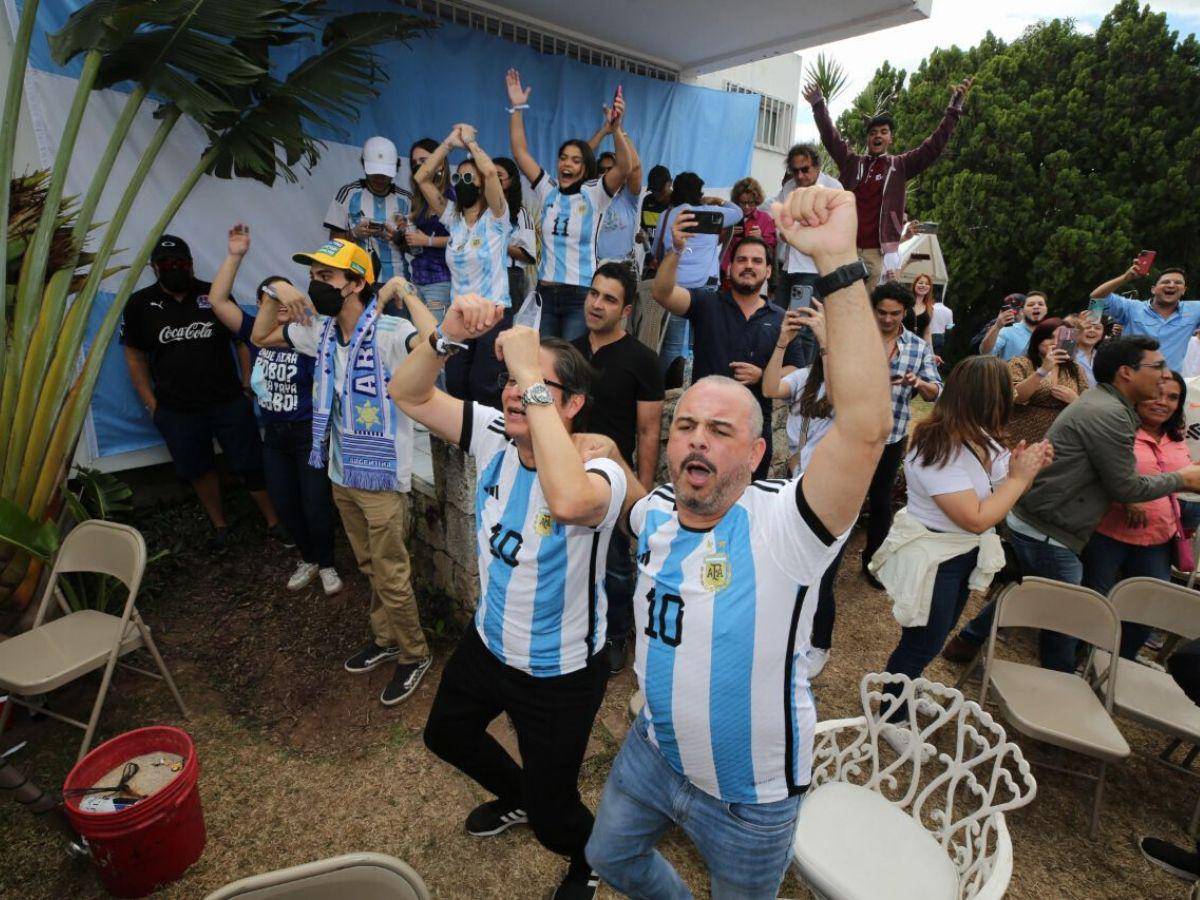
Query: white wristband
{"x":513,"y":109}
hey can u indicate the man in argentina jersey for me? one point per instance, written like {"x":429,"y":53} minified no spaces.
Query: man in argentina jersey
{"x":543,"y":521}
{"x":723,"y":745}
{"x":373,"y":211}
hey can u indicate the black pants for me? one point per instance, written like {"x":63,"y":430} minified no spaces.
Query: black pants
{"x":619,"y":580}
{"x":552,"y":717}
{"x":1184,"y":667}
{"x":879,"y":497}
{"x":300,"y":492}
{"x":823,"y":616}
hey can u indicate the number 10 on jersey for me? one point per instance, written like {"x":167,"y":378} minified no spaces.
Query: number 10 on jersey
{"x":664,"y":619}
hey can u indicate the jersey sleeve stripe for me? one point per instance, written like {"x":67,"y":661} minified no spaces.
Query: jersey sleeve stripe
{"x":468,"y":425}
{"x":810,"y":518}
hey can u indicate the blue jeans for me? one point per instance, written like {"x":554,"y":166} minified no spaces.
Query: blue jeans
{"x":562,"y":310}
{"x":436,"y":297}
{"x":301,"y":493}
{"x":1043,"y":559}
{"x":919,"y":645}
{"x":676,"y":341}
{"x":618,"y":585}
{"x":746,"y":846}
{"x":1106,"y":560}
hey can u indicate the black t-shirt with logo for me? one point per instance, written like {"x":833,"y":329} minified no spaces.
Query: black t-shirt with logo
{"x":190,"y":352}
{"x":628,"y":372}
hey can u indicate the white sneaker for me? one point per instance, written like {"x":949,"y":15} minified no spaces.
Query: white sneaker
{"x":302,"y":577}
{"x":899,"y":739}
{"x":331,"y":581}
{"x":816,"y":661}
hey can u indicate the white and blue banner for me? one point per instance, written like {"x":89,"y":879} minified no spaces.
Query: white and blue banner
{"x":454,"y":74}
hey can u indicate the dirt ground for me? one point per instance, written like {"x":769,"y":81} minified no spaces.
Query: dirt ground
{"x":300,"y":761}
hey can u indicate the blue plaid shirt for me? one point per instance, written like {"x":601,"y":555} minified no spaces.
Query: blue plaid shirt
{"x":912,"y":355}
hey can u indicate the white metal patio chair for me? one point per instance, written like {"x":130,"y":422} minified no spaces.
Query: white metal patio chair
{"x":355,"y":876}
{"x":53,"y":654}
{"x":935,"y":817}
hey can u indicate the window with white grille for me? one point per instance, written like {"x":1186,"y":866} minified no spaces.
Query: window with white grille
{"x":489,"y":22}
{"x":776,"y":119}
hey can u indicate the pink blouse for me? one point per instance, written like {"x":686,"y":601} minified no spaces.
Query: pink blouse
{"x":1154,"y":457}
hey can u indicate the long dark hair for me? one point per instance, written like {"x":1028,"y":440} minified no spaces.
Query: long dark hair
{"x":811,"y":405}
{"x":1045,"y":329}
{"x":441,"y":178}
{"x":1174,"y":426}
{"x":688,"y":187}
{"x":590,"y":169}
{"x":972,"y":411}
{"x":513,"y":196}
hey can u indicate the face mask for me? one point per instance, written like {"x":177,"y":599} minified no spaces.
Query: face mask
{"x":177,"y":281}
{"x":466,"y":195}
{"x":325,"y":297}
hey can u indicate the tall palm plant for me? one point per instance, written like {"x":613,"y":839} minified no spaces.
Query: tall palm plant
{"x":829,"y":75}
{"x":204,"y":59}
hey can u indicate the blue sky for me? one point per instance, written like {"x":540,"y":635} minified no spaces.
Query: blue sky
{"x":965,"y":22}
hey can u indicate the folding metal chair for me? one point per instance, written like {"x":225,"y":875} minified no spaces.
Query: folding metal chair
{"x":55,"y":653}
{"x":355,"y":876}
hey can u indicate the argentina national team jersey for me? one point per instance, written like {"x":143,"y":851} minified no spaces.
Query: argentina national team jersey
{"x":355,"y":203}
{"x":542,"y":607}
{"x":722,"y":630}
{"x":570,"y":225}
{"x":478,"y":254}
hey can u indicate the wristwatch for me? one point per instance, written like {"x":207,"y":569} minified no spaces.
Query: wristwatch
{"x":537,"y":395}
{"x":442,"y":345}
{"x":841,"y":277}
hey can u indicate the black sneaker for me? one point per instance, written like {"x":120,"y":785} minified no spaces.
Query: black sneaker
{"x":494,"y":817}
{"x":615,"y":649}
{"x":578,"y":887}
{"x":370,"y":657}
{"x":1179,"y":862}
{"x":280,"y":534}
{"x":404,"y":681}
{"x":219,"y":542}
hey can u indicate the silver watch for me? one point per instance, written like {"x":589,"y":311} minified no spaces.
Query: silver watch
{"x":537,"y":395}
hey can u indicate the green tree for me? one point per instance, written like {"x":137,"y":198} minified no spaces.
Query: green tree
{"x":1075,"y":151}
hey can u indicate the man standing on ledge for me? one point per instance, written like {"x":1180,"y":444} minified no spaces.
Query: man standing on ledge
{"x":879,"y":179}
{"x":723,"y":746}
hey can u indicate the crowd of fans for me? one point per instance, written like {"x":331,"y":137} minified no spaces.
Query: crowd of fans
{"x":500,"y":306}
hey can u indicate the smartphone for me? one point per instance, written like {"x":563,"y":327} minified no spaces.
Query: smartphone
{"x":896,"y":379}
{"x":801,"y":297}
{"x":1145,"y":260}
{"x":1066,"y":338}
{"x":707,"y":222}
{"x":1097,"y":307}
{"x":617,"y":94}
{"x":1015,"y":302}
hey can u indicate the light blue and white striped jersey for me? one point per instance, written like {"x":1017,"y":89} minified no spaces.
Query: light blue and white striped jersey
{"x":354,"y":203}
{"x":542,"y":607}
{"x":722,"y":627}
{"x":570,"y":224}
{"x":478,"y":254}
{"x":618,"y":226}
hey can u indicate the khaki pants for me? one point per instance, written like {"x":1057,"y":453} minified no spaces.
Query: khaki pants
{"x":377,"y":523}
{"x":872,"y":258}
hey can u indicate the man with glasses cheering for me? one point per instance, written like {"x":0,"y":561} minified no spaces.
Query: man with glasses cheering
{"x":798,"y":272}
{"x":543,"y":522}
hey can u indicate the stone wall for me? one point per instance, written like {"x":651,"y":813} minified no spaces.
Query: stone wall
{"x":442,"y":539}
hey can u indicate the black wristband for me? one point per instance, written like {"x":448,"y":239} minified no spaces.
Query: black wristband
{"x":840,"y":278}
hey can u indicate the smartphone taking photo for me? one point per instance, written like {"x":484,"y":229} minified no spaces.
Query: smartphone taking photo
{"x":1066,"y":338}
{"x":1144,"y":261}
{"x":706,"y":222}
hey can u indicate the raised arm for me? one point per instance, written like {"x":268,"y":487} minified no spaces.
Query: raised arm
{"x":412,"y":387}
{"x":575,"y":496}
{"x":493,"y":191}
{"x":1113,"y":284}
{"x":1003,"y":320}
{"x":835,"y":144}
{"x":219,"y":295}
{"x":425,"y":175}
{"x":267,"y":331}
{"x":615,"y":177}
{"x":518,"y":97}
{"x":822,"y":223}
{"x":664,"y":290}
{"x":920,"y":158}
{"x":400,"y":288}
{"x":602,"y":132}
{"x":793,"y":321}
{"x":633,"y":180}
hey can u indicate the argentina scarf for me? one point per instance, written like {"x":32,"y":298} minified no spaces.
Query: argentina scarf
{"x":367,"y":422}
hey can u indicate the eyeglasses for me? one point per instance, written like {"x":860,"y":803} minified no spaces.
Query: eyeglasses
{"x":1161,"y":365}
{"x":800,"y":170}
{"x":506,"y":381}
{"x":462,"y":178}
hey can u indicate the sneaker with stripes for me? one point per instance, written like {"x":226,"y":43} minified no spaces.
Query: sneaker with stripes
{"x":494,"y":817}
{"x":578,"y":885}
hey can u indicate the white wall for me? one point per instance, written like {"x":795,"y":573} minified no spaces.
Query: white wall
{"x":25,"y":153}
{"x":778,"y":77}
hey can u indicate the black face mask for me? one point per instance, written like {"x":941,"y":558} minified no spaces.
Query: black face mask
{"x":325,"y":297}
{"x":177,"y":281}
{"x":466,"y":195}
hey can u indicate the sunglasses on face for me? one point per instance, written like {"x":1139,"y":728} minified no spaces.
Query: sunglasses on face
{"x":173,"y":265}
{"x":462,"y":178}
{"x":800,"y":170}
{"x":507,"y":381}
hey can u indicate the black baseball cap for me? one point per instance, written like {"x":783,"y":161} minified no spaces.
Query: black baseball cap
{"x":170,"y":247}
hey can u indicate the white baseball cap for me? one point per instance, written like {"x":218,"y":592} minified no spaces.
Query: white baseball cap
{"x":379,"y":156}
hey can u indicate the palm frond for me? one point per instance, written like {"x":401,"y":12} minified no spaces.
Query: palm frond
{"x":829,"y":75}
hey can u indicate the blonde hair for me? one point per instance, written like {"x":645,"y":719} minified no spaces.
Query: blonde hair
{"x":748,"y":186}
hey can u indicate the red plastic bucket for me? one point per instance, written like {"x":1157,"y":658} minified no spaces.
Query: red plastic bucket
{"x":147,"y":845}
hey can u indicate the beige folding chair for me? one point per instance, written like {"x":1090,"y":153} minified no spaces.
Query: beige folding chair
{"x":56,"y":653}
{"x":1147,"y":695}
{"x":1058,"y":708}
{"x":355,"y":876}
{"x":650,"y":319}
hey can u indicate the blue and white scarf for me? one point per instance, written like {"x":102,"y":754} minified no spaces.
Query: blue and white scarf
{"x":367,"y":427}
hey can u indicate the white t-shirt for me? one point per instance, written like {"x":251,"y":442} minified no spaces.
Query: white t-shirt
{"x":962,"y":472}
{"x":796,"y":262}
{"x":796,"y":423}
{"x":1191,"y":362}
{"x":942,"y":319}
{"x":391,"y":343}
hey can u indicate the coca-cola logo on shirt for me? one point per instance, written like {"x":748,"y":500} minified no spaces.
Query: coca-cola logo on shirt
{"x":193,"y":331}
